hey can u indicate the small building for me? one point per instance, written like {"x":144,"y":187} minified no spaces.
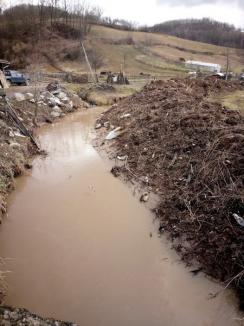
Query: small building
{"x":203,"y":66}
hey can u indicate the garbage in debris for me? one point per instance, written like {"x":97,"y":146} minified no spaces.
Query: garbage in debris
{"x":122,"y":158}
{"x":191,"y":149}
{"x":126,"y":115}
{"x":114,"y":134}
{"x":239,"y":219}
{"x":144,"y":198}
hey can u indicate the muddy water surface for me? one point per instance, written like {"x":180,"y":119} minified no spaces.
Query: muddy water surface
{"x":78,"y":245}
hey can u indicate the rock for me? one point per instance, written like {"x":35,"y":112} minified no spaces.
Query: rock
{"x":46,"y":95}
{"x":55,"y":114}
{"x":78,"y":102}
{"x":57,"y":109}
{"x":29,"y":96}
{"x":62,"y":96}
{"x":70,"y":105}
{"x":53,"y":101}
{"x":52,"y":87}
{"x":19,"y":97}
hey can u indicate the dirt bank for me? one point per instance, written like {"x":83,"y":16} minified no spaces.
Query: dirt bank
{"x":22,"y":317}
{"x":189,"y":152}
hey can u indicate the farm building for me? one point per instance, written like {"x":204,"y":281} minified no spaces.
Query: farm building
{"x":199,"y":65}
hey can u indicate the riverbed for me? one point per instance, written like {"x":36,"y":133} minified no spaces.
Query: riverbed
{"x":80,"y":247}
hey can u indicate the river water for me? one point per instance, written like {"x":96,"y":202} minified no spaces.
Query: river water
{"x":80,"y":247}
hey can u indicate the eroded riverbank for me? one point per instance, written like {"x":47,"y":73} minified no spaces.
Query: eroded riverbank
{"x":80,"y":247}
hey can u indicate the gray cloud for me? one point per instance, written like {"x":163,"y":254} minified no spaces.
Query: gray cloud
{"x":194,"y":3}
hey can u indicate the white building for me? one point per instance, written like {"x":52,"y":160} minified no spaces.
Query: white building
{"x":199,"y":65}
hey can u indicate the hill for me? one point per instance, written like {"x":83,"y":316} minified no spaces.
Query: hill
{"x":36,"y":38}
{"x":203,"y":30}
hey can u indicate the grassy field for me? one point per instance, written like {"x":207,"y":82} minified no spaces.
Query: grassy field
{"x":233,"y":100}
{"x":149,"y":53}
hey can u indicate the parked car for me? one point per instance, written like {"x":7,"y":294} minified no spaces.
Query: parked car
{"x":15,"y":77}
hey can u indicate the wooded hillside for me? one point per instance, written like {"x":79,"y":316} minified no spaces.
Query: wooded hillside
{"x":202,"y":30}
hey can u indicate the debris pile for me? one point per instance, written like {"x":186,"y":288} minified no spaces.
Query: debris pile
{"x":21,"y":317}
{"x":192,"y":153}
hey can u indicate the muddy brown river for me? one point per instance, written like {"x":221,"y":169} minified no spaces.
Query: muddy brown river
{"x":77,"y":245}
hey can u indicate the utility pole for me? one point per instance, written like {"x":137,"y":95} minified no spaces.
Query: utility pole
{"x":88,"y":63}
{"x":227,"y":63}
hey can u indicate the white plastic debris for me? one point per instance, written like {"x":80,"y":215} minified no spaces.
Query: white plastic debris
{"x":126,"y":115}
{"x":122,"y":158}
{"x":239,"y":219}
{"x":19,"y":97}
{"x":114,"y":133}
{"x":98,"y":126}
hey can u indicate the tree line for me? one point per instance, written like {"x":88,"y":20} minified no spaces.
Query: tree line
{"x":202,"y":30}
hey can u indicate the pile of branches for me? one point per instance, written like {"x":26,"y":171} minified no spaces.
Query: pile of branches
{"x":190,"y":151}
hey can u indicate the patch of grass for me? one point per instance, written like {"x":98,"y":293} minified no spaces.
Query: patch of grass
{"x":233,"y":101}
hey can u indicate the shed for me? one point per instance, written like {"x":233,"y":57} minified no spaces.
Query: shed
{"x":204,"y":66}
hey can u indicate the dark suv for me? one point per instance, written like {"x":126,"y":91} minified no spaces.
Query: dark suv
{"x":15,"y":77}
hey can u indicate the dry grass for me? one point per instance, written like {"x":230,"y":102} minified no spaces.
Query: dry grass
{"x":160,"y":51}
{"x":151,"y":53}
{"x":233,"y":100}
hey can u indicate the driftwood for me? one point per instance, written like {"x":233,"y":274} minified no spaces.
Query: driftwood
{"x":13,"y":115}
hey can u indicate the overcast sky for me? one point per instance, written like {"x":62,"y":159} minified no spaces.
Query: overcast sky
{"x":156,"y":11}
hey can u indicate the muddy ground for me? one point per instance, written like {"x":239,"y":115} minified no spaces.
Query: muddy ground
{"x":188,"y":151}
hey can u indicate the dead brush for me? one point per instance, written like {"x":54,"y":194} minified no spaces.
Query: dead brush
{"x":195,"y":161}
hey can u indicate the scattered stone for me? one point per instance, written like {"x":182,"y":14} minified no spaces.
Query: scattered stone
{"x":29,"y":96}
{"x":22,"y":317}
{"x":19,"y":97}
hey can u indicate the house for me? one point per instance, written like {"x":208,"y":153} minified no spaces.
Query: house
{"x":203,"y":66}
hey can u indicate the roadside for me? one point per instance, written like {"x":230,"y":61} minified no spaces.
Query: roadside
{"x":188,"y":151}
